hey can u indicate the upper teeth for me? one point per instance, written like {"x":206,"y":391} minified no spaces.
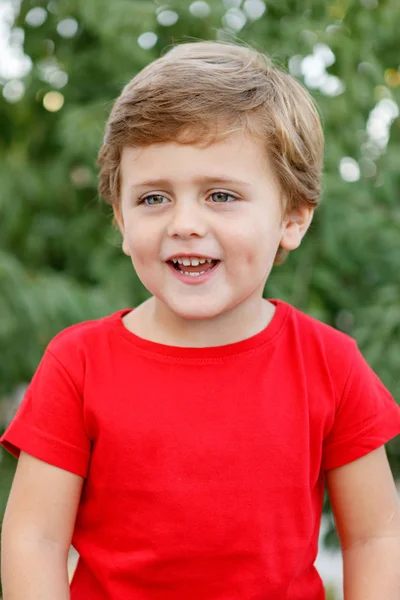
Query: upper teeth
{"x":191,"y":261}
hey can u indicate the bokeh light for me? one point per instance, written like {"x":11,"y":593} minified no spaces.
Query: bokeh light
{"x":53,"y":101}
{"x":147,"y":40}
{"x":166,"y":18}
{"x":81,"y":176}
{"x":254,"y":9}
{"x":234,"y":19}
{"x":67,"y":28}
{"x":13,"y":90}
{"x":349,"y":169}
{"x":313,"y":68}
{"x":58,"y":79}
{"x":200,"y":9}
{"x":51,"y":72}
{"x":36,"y":16}
{"x":323,"y":52}
{"x":380,"y":120}
{"x":392,"y":77}
{"x":332,"y":86}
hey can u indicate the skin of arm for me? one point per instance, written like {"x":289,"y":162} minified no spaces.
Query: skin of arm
{"x":37,"y":531}
{"x":366,"y":509}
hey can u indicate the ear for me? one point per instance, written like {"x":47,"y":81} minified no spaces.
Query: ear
{"x":295,"y":226}
{"x":117,"y":210}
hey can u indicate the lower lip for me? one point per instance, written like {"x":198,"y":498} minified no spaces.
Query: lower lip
{"x":194,"y":280}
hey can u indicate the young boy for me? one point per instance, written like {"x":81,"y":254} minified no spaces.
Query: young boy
{"x":183,"y":446}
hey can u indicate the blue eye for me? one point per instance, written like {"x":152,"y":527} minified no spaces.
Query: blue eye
{"x":153,"y":200}
{"x":159,"y":199}
{"x":221,"y":197}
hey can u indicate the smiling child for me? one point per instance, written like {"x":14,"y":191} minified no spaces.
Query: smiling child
{"x":184,"y":446}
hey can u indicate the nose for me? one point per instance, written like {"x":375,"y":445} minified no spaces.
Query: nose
{"x":186,"y":221}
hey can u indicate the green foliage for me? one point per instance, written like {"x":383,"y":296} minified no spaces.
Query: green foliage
{"x":60,"y":260}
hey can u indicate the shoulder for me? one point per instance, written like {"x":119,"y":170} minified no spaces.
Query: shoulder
{"x":324,"y":351}
{"x":314,"y":333}
{"x":83,"y":338}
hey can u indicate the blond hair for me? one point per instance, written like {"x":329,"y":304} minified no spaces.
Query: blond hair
{"x":201,"y":91}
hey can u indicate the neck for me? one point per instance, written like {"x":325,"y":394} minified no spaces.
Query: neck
{"x":164,"y":326}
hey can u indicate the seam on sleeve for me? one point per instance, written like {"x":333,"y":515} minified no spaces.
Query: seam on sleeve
{"x":363,"y":428}
{"x":66,"y":372}
{"x":67,"y":445}
{"x":47,"y":448}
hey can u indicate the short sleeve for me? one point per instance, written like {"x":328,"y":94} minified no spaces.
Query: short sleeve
{"x":49,"y":423}
{"x":366,"y":417}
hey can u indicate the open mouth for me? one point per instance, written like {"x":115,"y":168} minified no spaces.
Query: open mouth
{"x":193,"y":266}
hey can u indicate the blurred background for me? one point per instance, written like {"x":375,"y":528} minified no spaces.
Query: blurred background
{"x":63,"y":63}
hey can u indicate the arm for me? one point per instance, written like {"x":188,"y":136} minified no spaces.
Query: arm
{"x":366,"y":510}
{"x":37,"y":531}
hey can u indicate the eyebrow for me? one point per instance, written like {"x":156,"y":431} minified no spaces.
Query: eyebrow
{"x":162,"y":182}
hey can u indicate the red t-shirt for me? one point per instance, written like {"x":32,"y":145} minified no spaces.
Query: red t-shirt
{"x":203,"y":466}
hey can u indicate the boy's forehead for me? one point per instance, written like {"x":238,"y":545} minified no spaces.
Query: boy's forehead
{"x":237,"y":157}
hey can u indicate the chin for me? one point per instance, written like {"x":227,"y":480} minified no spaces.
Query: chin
{"x":196,"y":310}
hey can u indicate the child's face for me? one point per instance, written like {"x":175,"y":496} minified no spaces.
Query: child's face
{"x":219,"y":202}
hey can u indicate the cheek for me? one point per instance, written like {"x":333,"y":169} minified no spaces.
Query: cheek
{"x":136,"y":246}
{"x":255,"y":244}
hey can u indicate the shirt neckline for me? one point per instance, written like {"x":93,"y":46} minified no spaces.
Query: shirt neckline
{"x":266,"y":336}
